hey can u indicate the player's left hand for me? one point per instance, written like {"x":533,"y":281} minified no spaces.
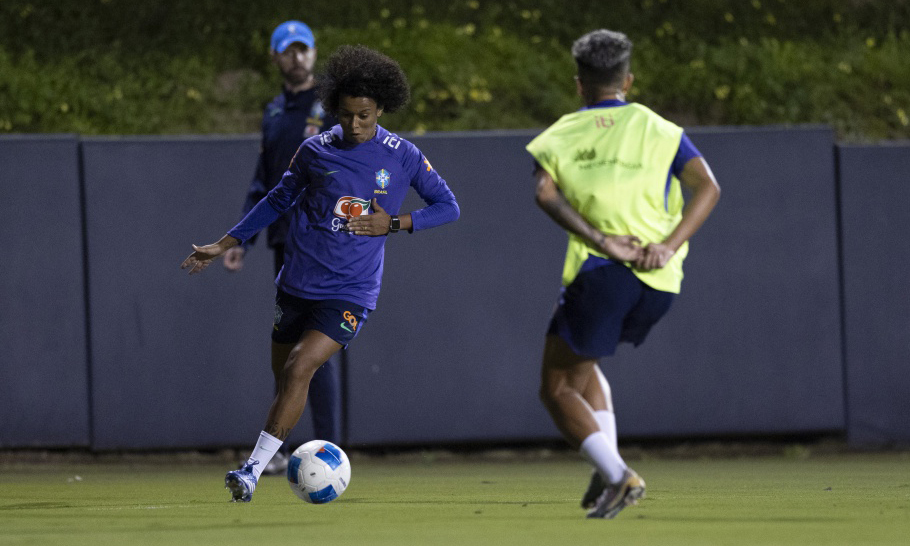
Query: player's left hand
{"x":375,"y":224}
{"x":655,"y":256}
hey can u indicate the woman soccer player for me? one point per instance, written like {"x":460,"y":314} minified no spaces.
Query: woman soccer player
{"x":345,"y":186}
{"x":610,"y":175}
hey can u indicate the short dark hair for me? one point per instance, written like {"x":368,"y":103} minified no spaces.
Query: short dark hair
{"x":358,"y":71}
{"x":602,"y":57}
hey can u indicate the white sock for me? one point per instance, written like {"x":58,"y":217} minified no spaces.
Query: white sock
{"x":607,"y":421}
{"x":599,"y":452}
{"x":265,"y":449}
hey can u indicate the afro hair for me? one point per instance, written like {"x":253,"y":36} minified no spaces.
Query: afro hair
{"x":358,"y":71}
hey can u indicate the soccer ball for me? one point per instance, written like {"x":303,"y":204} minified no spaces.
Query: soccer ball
{"x":319,"y":472}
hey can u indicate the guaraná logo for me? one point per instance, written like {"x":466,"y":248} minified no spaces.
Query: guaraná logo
{"x":351,"y":207}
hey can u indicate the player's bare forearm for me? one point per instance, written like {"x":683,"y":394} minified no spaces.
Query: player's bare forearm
{"x":227,"y":242}
{"x":406,"y":222}
{"x":554,"y":203}
{"x":551,"y":201}
{"x":699,"y":180}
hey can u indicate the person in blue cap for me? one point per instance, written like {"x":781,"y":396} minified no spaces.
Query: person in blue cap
{"x":291,"y":117}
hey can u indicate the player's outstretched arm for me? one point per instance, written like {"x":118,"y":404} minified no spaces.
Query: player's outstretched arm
{"x":625,"y":248}
{"x":699,"y":180}
{"x":203,"y":256}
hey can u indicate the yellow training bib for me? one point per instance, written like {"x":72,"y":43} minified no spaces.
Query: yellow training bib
{"x":612,"y":165}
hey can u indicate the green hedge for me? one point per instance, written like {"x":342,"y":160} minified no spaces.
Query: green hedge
{"x":126,"y":67}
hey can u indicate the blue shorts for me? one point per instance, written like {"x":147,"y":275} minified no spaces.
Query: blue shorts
{"x":339,"y":319}
{"x":605,"y":305}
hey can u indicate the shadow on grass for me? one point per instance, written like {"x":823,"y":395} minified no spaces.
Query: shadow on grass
{"x":36,"y":505}
{"x":467,"y":502}
{"x":741,"y":519}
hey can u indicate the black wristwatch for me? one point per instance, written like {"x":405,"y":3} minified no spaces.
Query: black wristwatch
{"x":394,"y":224}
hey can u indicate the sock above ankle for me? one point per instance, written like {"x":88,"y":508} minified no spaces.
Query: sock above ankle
{"x":598,"y":450}
{"x":607,"y":421}
{"x":265,"y":449}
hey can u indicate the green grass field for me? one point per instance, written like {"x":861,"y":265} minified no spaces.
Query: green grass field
{"x":829,"y":499}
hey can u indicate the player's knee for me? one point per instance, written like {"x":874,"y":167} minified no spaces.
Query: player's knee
{"x":548,"y":394}
{"x":297,"y":373}
{"x":299,"y":368}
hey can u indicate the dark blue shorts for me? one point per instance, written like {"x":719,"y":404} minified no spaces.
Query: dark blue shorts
{"x":339,"y":319}
{"x":605,"y":305}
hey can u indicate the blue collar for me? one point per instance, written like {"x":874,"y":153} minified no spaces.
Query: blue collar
{"x":606,"y":104}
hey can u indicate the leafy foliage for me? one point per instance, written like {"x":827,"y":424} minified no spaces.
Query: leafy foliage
{"x":132,"y":66}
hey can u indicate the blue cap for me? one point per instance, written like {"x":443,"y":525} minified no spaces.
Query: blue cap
{"x":289,"y":32}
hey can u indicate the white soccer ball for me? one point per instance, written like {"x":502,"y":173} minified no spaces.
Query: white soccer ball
{"x":319,"y":472}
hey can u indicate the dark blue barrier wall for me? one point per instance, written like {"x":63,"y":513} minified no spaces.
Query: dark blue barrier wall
{"x":452,"y":351}
{"x":752,"y":346}
{"x":875,"y":193}
{"x":178,"y":361}
{"x":44,"y":388}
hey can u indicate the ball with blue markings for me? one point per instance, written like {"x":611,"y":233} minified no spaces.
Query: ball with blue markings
{"x":319,"y":472}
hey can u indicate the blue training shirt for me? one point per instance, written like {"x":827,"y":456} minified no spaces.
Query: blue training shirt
{"x":330,"y":181}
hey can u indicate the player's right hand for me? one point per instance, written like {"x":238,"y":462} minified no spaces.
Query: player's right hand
{"x":626,"y":248}
{"x":203,"y":255}
{"x":233,"y":258}
{"x":654,"y":256}
{"x":201,"y":258}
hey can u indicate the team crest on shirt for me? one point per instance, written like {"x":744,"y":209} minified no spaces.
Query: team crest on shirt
{"x":383,"y":179}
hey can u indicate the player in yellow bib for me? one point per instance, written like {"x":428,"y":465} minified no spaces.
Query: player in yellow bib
{"x":612,"y":176}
